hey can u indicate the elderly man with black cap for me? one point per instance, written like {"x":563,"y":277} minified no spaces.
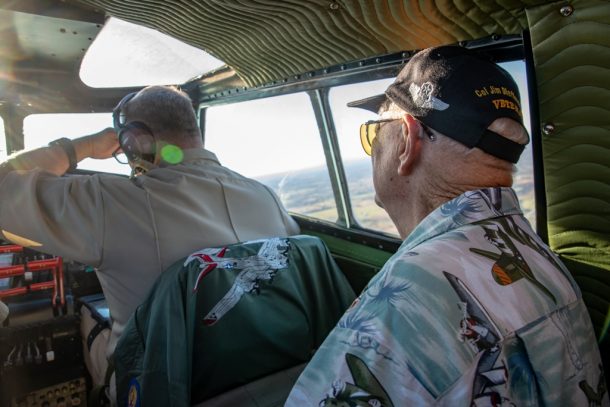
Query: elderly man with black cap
{"x":473,"y":309}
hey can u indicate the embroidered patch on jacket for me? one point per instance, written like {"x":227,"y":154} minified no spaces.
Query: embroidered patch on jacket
{"x":271,"y":257}
{"x":133,"y":395}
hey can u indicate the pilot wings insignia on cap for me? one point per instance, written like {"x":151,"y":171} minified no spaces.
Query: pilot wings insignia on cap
{"x":422,"y":96}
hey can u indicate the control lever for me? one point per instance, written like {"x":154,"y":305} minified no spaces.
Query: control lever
{"x":38,"y":356}
{"x":19,"y":358}
{"x":3,"y":312}
{"x":28,"y":354}
{"x":50,"y":355}
{"x":9,"y":359}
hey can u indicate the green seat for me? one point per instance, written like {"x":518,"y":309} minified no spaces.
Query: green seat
{"x":226,"y":317}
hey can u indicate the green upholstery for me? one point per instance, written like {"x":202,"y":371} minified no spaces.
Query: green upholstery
{"x":358,"y":262}
{"x":572,"y":59}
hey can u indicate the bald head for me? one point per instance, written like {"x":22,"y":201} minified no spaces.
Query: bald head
{"x":167,"y":111}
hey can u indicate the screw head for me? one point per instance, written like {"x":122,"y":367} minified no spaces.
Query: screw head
{"x":566,"y":11}
{"x":548,"y":128}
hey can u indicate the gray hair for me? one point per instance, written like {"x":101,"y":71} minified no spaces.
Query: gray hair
{"x":166,"y":110}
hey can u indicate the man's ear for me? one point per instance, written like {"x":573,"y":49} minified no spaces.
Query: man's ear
{"x":411,"y":137}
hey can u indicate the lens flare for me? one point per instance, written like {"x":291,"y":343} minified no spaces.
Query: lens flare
{"x":172,"y":154}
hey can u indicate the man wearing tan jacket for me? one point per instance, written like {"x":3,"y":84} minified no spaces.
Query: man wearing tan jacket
{"x":179,"y":200}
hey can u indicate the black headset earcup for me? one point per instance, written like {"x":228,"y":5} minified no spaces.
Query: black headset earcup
{"x":137,"y":142}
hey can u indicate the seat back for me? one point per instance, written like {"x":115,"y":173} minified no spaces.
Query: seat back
{"x":270,"y":391}
{"x":225,"y":317}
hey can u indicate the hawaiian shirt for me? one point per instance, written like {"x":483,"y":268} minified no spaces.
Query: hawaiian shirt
{"x":473,"y":309}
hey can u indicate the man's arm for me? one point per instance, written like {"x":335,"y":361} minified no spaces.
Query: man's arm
{"x":51,"y":213}
{"x":55,"y":160}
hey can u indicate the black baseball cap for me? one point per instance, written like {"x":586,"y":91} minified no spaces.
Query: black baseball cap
{"x":459,"y":94}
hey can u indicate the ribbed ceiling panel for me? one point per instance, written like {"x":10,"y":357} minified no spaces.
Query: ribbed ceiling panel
{"x":266,"y":40}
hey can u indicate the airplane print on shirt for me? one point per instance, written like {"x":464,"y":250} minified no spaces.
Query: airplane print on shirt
{"x":509,"y":265}
{"x":263,"y":266}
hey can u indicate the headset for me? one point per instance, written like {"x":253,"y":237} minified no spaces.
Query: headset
{"x":136,"y":139}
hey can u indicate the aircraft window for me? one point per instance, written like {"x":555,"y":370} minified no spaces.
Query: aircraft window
{"x":141,"y":56}
{"x":3,"y":152}
{"x":40,"y":129}
{"x":358,"y":166}
{"x":276,"y":141}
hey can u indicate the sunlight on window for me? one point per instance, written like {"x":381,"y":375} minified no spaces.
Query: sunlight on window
{"x":125,"y":54}
{"x":40,"y":129}
{"x":275,"y":140}
{"x":357,"y":164}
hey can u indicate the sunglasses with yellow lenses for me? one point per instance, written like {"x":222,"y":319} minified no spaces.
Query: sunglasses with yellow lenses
{"x":368,"y":133}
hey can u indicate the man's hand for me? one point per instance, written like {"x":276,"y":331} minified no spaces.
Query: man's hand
{"x":99,"y":145}
{"x":53,"y":159}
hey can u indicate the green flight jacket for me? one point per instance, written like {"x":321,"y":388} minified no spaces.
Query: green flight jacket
{"x":225,"y":317}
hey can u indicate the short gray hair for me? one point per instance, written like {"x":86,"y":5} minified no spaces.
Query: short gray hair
{"x":167,"y":110}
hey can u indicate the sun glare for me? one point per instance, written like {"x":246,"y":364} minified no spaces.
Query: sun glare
{"x":125,"y":54}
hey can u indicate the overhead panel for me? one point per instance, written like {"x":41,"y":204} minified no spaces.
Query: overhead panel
{"x":266,"y":40}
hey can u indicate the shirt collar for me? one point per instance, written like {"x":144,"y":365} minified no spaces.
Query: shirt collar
{"x":192,"y":155}
{"x":470,"y":207}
